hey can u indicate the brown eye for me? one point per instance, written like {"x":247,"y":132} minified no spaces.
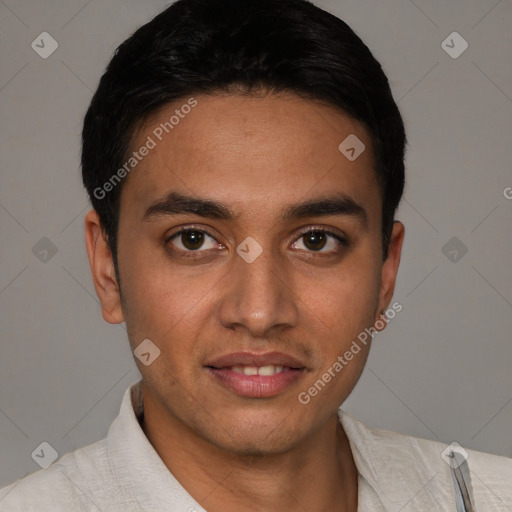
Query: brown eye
{"x":190,"y":240}
{"x":315,"y":240}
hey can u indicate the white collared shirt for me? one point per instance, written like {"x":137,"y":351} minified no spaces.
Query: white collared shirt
{"x":123,"y":473}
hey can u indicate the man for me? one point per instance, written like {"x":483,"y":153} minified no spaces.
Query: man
{"x":244,"y":159}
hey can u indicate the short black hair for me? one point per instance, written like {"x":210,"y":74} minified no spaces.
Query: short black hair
{"x":242,"y":46}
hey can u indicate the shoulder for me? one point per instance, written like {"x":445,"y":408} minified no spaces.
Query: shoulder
{"x":396,"y":462}
{"x":64,"y":486}
{"x":489,"y":475}
{"x":434,"y":454}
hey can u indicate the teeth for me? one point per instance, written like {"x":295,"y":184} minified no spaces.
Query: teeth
{"x":249,"y":370}
{"x":255,"y":370}
{"x":270,"y":370}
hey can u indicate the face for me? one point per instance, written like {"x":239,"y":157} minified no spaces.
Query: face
{"x":257,"y":273}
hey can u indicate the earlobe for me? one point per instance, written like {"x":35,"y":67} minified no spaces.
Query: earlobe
{"x":381,"y":321}
{"x":390,"y":269}
{"x":102,"y":269}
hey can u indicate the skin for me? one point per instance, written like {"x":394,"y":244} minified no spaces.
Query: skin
{"x":257,"y":154}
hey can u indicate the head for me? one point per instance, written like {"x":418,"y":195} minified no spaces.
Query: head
{"x":226,"y":118}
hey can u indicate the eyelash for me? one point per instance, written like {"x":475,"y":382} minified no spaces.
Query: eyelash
{"x":194,"y":254}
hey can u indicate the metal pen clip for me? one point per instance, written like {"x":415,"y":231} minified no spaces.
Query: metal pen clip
{"x":461,"y":479}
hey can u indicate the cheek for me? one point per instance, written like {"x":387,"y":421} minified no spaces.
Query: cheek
{"x":155,"y":299}
{"x":158,"y":307}
{"x":346,"y":308}
{"x":168,"y":307}
{"x":347,"y":300}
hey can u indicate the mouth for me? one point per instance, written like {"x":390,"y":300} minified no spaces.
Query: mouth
{"x":269,"y":369}
{"x":256,"y":375}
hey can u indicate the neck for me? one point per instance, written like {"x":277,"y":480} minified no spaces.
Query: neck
{"x":317,"y":474}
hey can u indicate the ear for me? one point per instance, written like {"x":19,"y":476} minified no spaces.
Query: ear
{"x":389,"y":271}
{"x":102,"y":269}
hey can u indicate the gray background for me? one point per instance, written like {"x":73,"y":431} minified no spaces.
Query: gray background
{"x":441,"y":370}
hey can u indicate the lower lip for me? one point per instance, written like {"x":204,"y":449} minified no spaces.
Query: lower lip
{"x":256,"y":386}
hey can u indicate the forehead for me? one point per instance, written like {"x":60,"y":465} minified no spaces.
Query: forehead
{"x":251,"y":152}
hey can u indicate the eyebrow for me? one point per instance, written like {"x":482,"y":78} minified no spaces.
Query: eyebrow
{"x":175,"y":203}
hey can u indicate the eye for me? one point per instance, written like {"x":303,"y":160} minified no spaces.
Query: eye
{"x":192,"y":239}
{"x":314,"y":240}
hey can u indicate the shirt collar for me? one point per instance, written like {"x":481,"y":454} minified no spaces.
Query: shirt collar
{"x":134,"y":462}
{"x":394,"y":466}
{"x":406,"y":473}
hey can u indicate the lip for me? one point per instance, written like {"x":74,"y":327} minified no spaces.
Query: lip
{"x":253,"y":359}
{"x":256,"y":386}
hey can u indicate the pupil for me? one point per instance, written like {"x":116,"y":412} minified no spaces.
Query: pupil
{"x":314,"y":238}
{"x":192,"y":239}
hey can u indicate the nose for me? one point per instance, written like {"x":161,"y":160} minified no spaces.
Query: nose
{"x":259,"y":296}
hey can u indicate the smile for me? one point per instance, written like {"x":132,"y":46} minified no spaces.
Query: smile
{"x":256,"y":375}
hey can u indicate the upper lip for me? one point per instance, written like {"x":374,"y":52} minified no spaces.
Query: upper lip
{"x":252,"y":359}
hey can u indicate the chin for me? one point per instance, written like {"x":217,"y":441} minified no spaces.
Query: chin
{"x":256,"y":440}
{"x":257,"y":448}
